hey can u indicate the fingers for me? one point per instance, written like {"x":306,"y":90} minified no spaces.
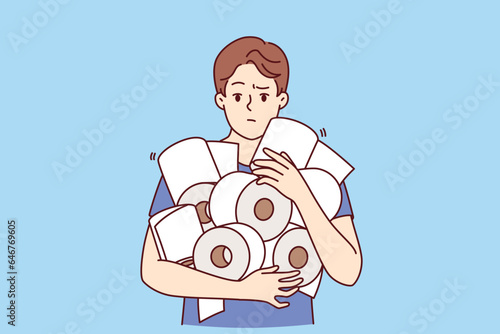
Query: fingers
{"x":278,"y":304}
{"x":267,"y":180}
{"x":268,"y":172}
{"x":287,"y":157}
{"x":283,"y":161}
{"x":269,"y":269}
{"x":288,"y":293}
{"x":287,"y":274}
{"x":271,"y":164}
{"x":289,"y":284}
{"x":278,"y":286}
{"x":284,"y":294}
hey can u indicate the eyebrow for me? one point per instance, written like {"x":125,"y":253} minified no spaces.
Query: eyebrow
{"x":261,"y":87}
{"x":237,"y":82}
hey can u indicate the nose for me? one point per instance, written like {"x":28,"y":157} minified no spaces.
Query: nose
{"x":249,"y":101}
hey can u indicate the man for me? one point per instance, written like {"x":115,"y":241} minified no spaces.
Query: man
{"x":251,"y":78}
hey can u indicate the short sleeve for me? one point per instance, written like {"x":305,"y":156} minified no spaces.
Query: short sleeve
{"x":162,"y":199}
{"x":345,"y":204}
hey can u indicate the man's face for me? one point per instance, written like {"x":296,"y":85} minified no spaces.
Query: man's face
{"x":250,"y":101}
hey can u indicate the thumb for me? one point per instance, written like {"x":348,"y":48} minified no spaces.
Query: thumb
{"x":287,"y":157}
{"x":269,"y":269}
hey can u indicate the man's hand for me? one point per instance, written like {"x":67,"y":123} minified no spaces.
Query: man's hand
{"x":266,"y":284}
{"x":345,"y":262}
{"x":281,"y":173}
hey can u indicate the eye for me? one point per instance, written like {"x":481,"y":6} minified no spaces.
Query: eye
{"x":237,"y":97}
{"x":263,"y":97}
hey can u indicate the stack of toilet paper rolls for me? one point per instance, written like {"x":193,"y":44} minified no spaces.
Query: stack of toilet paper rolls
{"x":224,"y":224}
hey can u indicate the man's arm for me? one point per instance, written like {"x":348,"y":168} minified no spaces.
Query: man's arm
{"x":335,"y":241}
{"x":174,"y":279}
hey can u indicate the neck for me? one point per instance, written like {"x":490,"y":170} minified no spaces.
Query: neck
{"x":246,"y":147}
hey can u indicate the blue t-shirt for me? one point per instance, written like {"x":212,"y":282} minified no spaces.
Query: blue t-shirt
{"x":247,"y":313}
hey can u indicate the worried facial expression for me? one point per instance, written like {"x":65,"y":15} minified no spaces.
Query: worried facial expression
{"x":251,"y":101}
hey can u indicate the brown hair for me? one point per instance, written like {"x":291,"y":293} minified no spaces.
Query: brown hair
{"x":269,"y":59}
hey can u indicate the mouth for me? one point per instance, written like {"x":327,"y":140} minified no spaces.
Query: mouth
{"x":251,"y":120}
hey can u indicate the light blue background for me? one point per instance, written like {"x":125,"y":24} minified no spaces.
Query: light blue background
{"x":440,"y":224}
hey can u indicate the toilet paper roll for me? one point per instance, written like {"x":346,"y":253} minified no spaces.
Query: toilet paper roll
{"x":176,"y":231}
{"x":309,"y":289}
{"x":323,"y":157}
{"x":326,"y":191}
{"x":185,"y":164}
{"x":208,"y":226}
{"x":269,"y":246}
{"x":238,"y":198}
{"x":198,"y":195}
{"x":233,"y":252}
{"x":152,"y":223}
{"x":290,"y":136}
{"x":295,"y":251}
{"x":209,"y":307}
{"x":225,"y":156}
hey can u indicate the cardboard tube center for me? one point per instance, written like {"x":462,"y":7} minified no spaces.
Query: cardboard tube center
{"x":263,"y":209}
{"x":201,"y":210}
{"x":298,"y":257}
{"x":187,"y":262}
{"x":218,"y":258}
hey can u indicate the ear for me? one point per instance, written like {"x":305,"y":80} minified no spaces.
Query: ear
{"x":220,"y":100}
{"x":283,"y":99}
